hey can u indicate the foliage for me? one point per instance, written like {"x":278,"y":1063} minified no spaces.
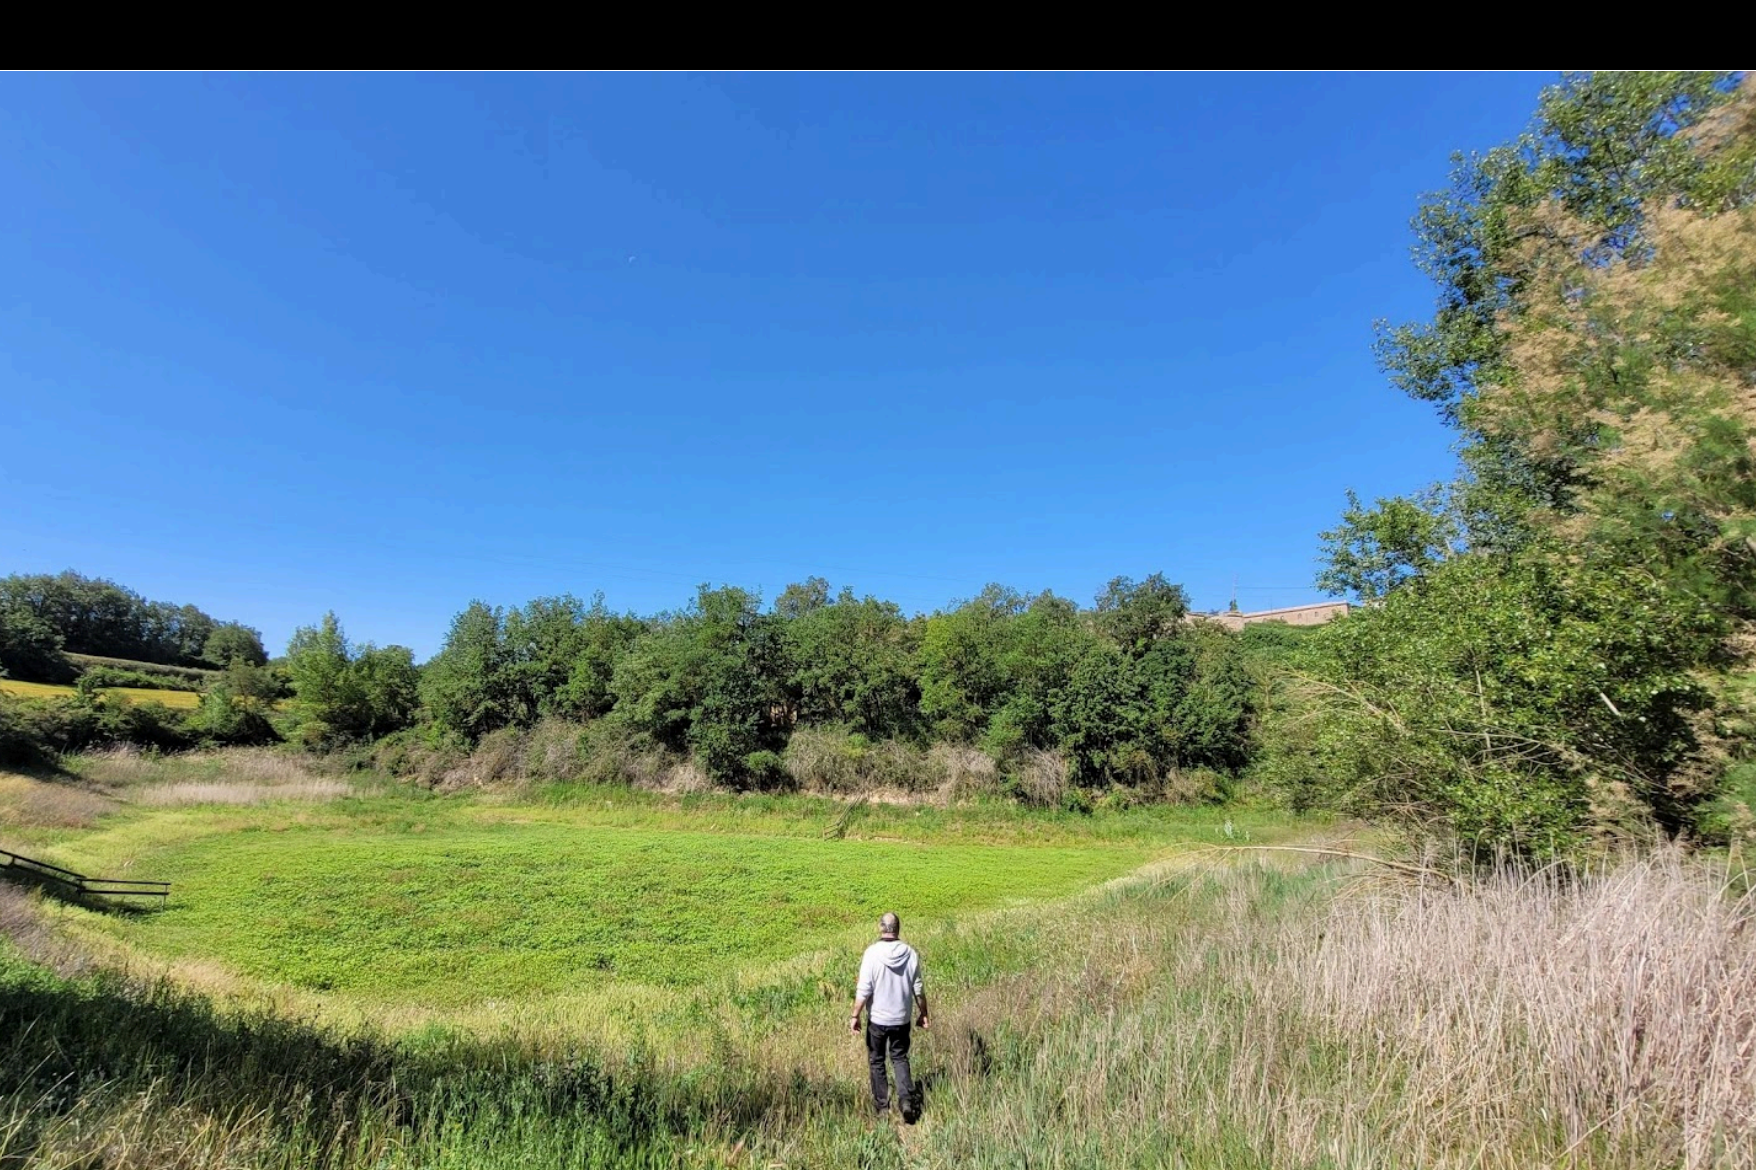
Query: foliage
{"x":711,"y":680}
{"x":1522,"y":705}
{"x":1604,"y":147}
{"x":38,"y":731}
{"x":115,"y":676}
{"x":1376,"y":549}
{"x":224,"y":717}
{"x":94,"y":616}
{"x":851,"y":661}
{"x":234,"y":642}
{"x":1593,"y":344}
{"x":30,"y":646}
{"x":342,"y":692}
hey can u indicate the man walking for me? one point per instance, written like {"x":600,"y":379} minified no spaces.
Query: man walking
{"x":890,"y":984}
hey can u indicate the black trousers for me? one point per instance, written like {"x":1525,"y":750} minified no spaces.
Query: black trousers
{"x":890,"y":1040}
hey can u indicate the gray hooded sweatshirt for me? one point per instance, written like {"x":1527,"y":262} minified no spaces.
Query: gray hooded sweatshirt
{"x":890,"y":978}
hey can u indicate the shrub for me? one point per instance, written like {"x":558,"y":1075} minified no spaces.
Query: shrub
{"x":35,"y":731}
{"x":423,"y":755}
{"x":766,"y":770}
{"x":555,"y":750}
{"x":1040,"y":778}
{"x":828,"y":759}
{"x":114,"y":676}
{"x":963,"y":773}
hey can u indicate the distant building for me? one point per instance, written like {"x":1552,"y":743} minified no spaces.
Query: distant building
{"x":1293,"y":615}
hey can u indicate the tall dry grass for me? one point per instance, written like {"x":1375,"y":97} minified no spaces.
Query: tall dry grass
{"x":1616,"y":1007}
{"x":228,"y":776}
{"x":1596,"y":1021}
{"x":33,"y":802}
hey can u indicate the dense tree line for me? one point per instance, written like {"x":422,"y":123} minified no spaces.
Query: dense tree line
{"x":1127,"y":690}
{"x":44,"y":616}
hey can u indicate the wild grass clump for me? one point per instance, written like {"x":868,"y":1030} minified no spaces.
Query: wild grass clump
{"x":228,"y":776}
{"x":1041,"y":778}
{"x":1596,"y":1021}
{"x":243,"y":793}
{"x":833,"y":760}
{"x":1612,"y":1008}
{"x":52,"y":802}
{"x":99,"y":1072}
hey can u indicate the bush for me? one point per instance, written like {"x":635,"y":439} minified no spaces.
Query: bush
{"x":555,"y":751}
{"x":1526,"y":705}
{"x":828,"y":759}
{"x":1040,"y":778}
{"x":766,"y":770}
{"x":114,"y":676}
{"x":424,"y":755}
{"x":1197,"y":786}
{"x":222,"y":719}
{"x":963,"y":773}
{"x":36,"y":731}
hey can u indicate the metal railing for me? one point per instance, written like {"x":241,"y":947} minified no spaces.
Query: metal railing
{"x":78,"y":883}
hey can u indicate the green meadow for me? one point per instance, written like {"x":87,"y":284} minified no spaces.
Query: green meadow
{"x":452,"y":901}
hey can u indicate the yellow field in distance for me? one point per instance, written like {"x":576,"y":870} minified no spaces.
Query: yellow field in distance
{"x":184,"y":700}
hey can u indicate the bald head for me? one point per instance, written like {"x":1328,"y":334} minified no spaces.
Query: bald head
{"x":889,"y":926}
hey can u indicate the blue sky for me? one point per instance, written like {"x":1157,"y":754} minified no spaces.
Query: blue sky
{"x":382,"y":344}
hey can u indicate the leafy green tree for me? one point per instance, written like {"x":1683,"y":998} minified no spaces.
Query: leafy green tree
{"x":234,"y":642}
{"x":1520,"y":704}
{"x":341,"y":692}
{"x":1605,"y":147}
{"x":317,"y":663}
{"x":802,"y":598}
{"x":226,"y":718}
{"x":1375,"y":550}
{"x":1205,"y":720}
{"x":1594,"y":561}
{"x":962,"y":669}
{"x":388,"y":688}
{"x":94,"y":616}
{"x":540,"y":644}
{"x":1040,"y":649}
{"x":852,"y":662}
{"x":254,"y":688}
{"x":604,"y":639}
{"x":465,"y":688}
{"x":30,"y":648}
{"x":710,"y":680}
{"x":1102,"y":719}
{"x":1138,"y":615}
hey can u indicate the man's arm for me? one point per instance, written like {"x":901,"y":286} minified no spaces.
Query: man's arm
{"x":920,"y":994}
{"x":862,"y":994}
{"x":921,"y":1000}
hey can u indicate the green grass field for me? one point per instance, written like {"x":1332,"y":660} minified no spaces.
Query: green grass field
{"x":364,"y":976}
{"x":184,"y":700}
{"x":401,"y":897}
{"x":512,"y":909}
